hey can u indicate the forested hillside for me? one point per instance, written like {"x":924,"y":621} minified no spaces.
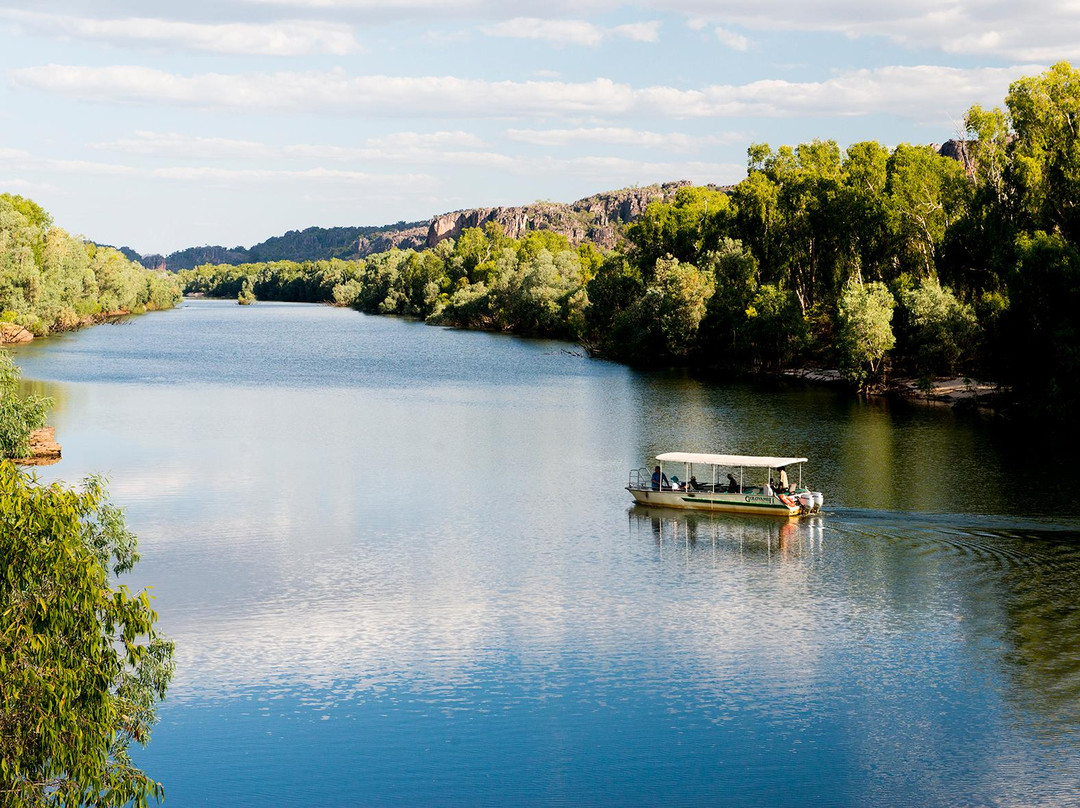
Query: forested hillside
{"x":51,"y":281}
{"x":598,"y":218}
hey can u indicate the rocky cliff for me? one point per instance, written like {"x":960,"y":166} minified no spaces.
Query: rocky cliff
{"x":596,"y":218}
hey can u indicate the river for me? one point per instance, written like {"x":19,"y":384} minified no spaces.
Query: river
{"x":400,"y":568}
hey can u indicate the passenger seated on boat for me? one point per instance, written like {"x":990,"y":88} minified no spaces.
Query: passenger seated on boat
{"x":659,"y":480}
{"x":694,"y":485}
{"x":732,"y":485}
{"x":675,"y":484}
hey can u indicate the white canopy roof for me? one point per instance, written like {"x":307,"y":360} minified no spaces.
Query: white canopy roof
{"x":746,"y":461}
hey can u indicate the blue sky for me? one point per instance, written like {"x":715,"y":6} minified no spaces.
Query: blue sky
{"x":162,"y":126}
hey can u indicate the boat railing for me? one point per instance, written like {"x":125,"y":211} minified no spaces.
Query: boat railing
{"x":640,"y":478}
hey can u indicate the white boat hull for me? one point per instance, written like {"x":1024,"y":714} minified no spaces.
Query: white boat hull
{"x":720,"y":501}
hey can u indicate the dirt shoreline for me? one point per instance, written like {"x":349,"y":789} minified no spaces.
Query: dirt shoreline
{"x":44,"y":450}
{"x":952,"y":390}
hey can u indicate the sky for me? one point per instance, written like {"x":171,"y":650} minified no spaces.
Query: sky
{"x":161,"y":126}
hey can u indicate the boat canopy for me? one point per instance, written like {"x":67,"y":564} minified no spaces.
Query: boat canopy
{"x":745,"y":461}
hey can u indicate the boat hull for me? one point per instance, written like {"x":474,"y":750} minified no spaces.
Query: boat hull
{"x":706,"y":501}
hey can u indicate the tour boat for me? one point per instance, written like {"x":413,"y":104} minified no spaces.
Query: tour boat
{"x":734,"y":483}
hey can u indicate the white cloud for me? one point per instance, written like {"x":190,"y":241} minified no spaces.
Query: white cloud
{"x":1034,"y":31}
{"x":566,"y":32}
{"x":924,"y":93}
{"x":23,"y":160}
{"x":284,"y":38}
{"x":620,"y":136}
{"x":617,"y":172}
{"x":606,"y":169}
{"x":639,"y":31}
{"x":734,"y":41}
{"x":571,"y":32}
{"x":455,"y":9}
{"x":434,"y":148}
{"x":18,"y":185}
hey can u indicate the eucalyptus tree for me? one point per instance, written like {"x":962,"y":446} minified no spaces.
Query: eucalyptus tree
{"x":81,"y":664}
{"x":864,"y":331}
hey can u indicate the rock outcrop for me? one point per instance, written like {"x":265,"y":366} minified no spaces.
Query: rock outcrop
{"x":596,"y":218}
{"x":13,"y":333}
{"x":44,"y":450}
{"x":957,"y":150}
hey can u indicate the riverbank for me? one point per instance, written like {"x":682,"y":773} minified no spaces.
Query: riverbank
{"x":954,"y":391}
{"x":16,"y":334}
{"x":44,"y":450}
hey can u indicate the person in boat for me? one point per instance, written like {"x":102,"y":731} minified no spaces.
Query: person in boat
{"x":659,"y":480}
{"x":694,"y":485}
{"x":784,"y":488}
{"x":732,"y":485}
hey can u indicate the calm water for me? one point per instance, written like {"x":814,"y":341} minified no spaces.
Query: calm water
{"x":400,"y":569}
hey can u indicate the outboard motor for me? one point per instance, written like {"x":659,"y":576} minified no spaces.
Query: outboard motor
{"x":819,"y":500}
{"x":806,"y":500}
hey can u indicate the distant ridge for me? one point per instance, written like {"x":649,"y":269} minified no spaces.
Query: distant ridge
{"x":598,"y":218}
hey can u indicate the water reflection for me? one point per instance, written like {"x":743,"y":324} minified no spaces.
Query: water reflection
{"x":1008,"y":594}
{"x":400,"y":568}
{"x":720,"y":535}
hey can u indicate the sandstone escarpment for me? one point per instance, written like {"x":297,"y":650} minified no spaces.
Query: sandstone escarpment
{"x":596,"y":218}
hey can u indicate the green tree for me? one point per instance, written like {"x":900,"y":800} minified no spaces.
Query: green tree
{"x":81,"y":666}
{"x":724,"y":332}
{"x":683,"y":228}
{"x":1043,"y":113}
{"x":935,"y":330}
{"x":246,"y":295}
{"x":864,"y":333}
{"x":1044,"y":363}
{"x":927,"y":193}
{"x":775,"y":329}
{"x":18,"y":416}
{"x":663,"y":323}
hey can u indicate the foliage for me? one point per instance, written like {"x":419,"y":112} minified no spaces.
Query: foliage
{"x":51,"y":281}
{"x":18,"y":416}
{"x":1043,"y":357}
{"x":775,"y":326}
{"x":864,"y":330}
{"x":246,"y":295}
{"x":81,"y":665}
{"x":935,"y":329}
{"x":663,"y":323}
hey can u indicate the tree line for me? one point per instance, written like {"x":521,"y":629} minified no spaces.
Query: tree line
{"x":876,"y":261}
{"x":81,"y":664}
{"x":52,"y":281}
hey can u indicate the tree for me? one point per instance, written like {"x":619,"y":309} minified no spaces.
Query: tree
{"x":683,"y":228}
{"x":936,"y":330}
{"x":81,"y":665}
{"x":246,"y":295}
{"x":864,"y":330}
{"x":1044,"y":112}
{"x":663,"y":322}
{"x":774,"y":325}
{"x":724,"y":332}
{"x":18,"y":416}
{"x":927,"y":193}
{"x":1044,"y":290}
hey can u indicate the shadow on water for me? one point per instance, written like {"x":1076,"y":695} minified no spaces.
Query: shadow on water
{"x":1007,"y":586}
